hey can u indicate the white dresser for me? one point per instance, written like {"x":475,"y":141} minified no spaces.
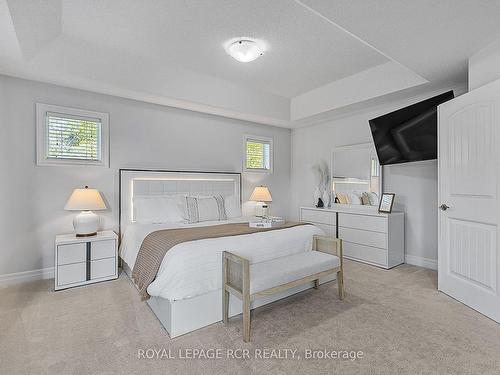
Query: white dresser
{"x":368,"y":236}
{"x":85,"y":260}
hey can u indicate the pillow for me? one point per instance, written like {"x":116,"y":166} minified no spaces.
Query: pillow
{"x":232,"y":206}
{"x":373,"y":198}
{"x":342,"y":198}
{"x":158,"y":209}
{"x":365,"y":199}
{"x":205,"y":209}
{"x":354,"y":198}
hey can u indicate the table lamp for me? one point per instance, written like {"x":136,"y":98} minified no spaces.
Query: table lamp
{"x":85,"y":200}
{"x":261,"y":195}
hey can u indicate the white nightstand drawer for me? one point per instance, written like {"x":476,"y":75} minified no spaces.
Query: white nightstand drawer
{"x":71,"y":273}
{"x":102,"y":249}
{"x":71,"y":253}
{"x":102,"y":268}
{"x":316,"y":216}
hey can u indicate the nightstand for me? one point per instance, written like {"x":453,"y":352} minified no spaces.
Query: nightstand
{"x":85,"y":260}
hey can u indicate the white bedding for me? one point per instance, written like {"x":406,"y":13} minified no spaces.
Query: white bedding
{"x":193,"y":268}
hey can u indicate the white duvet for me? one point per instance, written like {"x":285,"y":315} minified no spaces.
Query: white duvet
{"x":193,"y":268}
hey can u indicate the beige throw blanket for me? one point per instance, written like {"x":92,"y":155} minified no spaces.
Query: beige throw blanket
{"x":156,"y":244}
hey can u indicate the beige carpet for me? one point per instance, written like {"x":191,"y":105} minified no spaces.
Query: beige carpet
{"x":397,"y":318}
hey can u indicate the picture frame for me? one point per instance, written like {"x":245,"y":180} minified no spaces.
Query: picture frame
{"x":386,"y":202}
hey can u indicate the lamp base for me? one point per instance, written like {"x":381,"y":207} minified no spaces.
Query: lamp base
{"x":86,"y":224}
{"x":87,"y":235}
{"x":261,"y":209}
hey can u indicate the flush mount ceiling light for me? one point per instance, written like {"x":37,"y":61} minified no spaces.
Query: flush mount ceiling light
{"x":244,"y":50}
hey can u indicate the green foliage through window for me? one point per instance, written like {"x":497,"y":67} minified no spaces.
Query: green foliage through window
{"x":73,"y":138}
{"x":258,"y":155}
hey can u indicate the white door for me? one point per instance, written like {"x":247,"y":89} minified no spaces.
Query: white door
{"x":469,"y":171}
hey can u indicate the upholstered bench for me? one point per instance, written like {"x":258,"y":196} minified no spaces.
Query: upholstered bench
{"x":251,"y":281}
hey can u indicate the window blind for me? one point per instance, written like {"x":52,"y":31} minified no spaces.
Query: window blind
{"x":72,"y":137}
{"x":258,"y":154}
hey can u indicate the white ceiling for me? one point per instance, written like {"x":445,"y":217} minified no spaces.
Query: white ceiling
{"x":304,"y":51}
{"x":434,"y":38}
{"x":321,"y":55}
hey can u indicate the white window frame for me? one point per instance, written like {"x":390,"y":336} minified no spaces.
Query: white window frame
{"x":269,"y":140}
{"x":41,"y":135}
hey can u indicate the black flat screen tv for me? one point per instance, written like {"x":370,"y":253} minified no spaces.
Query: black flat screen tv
{"x":408,"y":134}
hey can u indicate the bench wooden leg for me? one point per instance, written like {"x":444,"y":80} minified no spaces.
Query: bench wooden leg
{"x":340,"y":283}
{"x":246,"y":301}
{"x":225,"y":305}
{"x":225,"y":293}
{"x":246,"y":319}
{"x":316,"y":284}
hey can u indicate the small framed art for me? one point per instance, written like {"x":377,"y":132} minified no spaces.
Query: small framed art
{"x":386,"y":202}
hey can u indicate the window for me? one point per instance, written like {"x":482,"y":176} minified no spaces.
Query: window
{"x":68,"y":136}
{"x":258,"y":154}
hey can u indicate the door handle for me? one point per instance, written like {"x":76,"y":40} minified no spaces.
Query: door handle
{"x":444,"y":207}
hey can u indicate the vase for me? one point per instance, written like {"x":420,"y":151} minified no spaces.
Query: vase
{"x":326,"y":198}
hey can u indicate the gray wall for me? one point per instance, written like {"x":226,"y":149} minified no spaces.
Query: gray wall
{"x":415,"y":184}
{"x":141,"y":135}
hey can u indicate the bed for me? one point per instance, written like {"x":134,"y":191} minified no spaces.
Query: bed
{"x":186,"y":293}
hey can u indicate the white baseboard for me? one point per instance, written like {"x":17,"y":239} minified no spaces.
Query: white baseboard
{"x":421,"y":261}
{"x":20,"y":277}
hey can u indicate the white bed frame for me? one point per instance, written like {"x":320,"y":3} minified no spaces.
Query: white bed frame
{"x":179,"y":317}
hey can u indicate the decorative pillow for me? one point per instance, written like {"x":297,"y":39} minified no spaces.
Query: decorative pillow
{"x":373,"y":198}
{"x":232,"y":206}
{"x":342,"y":198}
{"x":158,"y":209}
{"x":354,"y":198}
{"x":365,"y":199}
{"x":205,"y":209}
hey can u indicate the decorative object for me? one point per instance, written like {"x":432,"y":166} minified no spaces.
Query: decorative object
{"x":354,"y":197}
{"x":372,"y":198}
{"x":261,"y":195}
{"x":342,"y":198}
{"x":317,"y":195}
{"x":322,"y":180}
{"x":269,"y":222}
{"x":85,"y":200}
{"x":320,"y":203}
{"x":386,"y":202}
{"x":244,"y":49}
{"x":326,"y":198}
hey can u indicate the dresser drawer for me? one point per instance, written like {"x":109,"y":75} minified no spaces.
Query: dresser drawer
{"x":71,"y":273}
{"x":315,"y":216}
{"x":365,"y":253}
{"x":363,"y":237}
{"x":372,"y":223}
{"x":102,"y":268}
{"x":71,"y":253}
{"x":329,"y":230}
{"x":102,"y":249}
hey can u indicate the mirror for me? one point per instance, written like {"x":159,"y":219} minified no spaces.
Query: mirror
{"x":356,"y":175}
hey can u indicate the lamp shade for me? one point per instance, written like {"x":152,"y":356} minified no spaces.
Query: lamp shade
{"x":85,"y":200}
{"x":261,"y":194}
